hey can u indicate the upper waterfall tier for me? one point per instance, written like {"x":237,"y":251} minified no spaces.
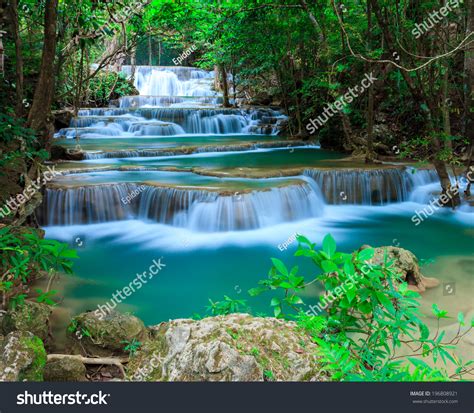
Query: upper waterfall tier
{"x":172,"y":81}
{"x":99,"y":122}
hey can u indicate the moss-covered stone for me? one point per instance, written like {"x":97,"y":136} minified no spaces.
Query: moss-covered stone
{"x":22,"y":357}
{"x":96,"y":334}
{"x":30,"y":316}
{"x":405,"y":264}
{"x":65,"y":369}
{"x":237,"y":347}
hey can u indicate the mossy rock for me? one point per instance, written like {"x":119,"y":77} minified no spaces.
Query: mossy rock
{"x":22,"y":357}
{"x":30,"y":316}
{"x":405,"y":264}
{"x":97,"y":334}
{"x":237,"y":347}
{"x":65,"y":369}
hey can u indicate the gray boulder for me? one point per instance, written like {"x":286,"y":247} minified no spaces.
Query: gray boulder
{"x":65,"y":369}
{"x":237,"y":347}
{"x":22,"y":357}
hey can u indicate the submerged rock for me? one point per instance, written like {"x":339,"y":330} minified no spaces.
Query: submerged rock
{"x":96,"y":334}
{"x":405,"y":263}
{"x":65,"y":369}
{"x":22,"y":357}
{"x":237,"y":347}
{"x":30,"y":316}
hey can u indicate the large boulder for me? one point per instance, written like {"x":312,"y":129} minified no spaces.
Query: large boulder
{"x":30,"y":316}
{"x":62,"y":118}
{"x":96,"y":334}
{"x":65,"y":369}
{"x":237,"y":347}
{"x":22,"y":357}
{"x":404,"y":263}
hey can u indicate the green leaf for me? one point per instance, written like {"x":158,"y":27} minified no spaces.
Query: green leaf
{"x":329,"y":245}
{"x":280,"y":266}
{"x":366,"y":254}
{"x":461,"y":319}
{"x":275,"y":301}
{"x":328,"y":266}
{"x":277,"y":311}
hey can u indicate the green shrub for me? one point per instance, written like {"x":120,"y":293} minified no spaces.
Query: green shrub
{"x":361,"y":329}
{"x":108,"y":85}
{"x":24,"y":257}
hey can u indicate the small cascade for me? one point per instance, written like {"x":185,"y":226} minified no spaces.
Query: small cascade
{"x":195,"y":209}
{"x":369,"y":187}
{"x":86,"y":205}
{"x":171,"y":81}
{"x":173,"y":101}
{"x":171,"y":122}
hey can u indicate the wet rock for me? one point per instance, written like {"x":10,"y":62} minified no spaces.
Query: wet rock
{"x":405,"y":263}
{"x":96,"y":334}
{"x":61,"y":153}
{"x":30,"y":316}
{"x":22,"y":357}
{"x":65,"y":369}
{"x":62,"y":118}
{"x":237,"y":347}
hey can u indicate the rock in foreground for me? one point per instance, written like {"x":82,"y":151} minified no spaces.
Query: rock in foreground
{"x":22,"y":357}
{"x":30,"y":316}
{"x":95,"y":334}
{"x":237,"y":347}
{"x":405,"y":263}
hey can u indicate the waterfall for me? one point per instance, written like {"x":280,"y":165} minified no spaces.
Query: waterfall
{"x":168,"y":121}
{"x":195,"y":209}
{"x":369,"y":187}
{"x":85,"y":205}
{"x":173,"y":101}
{"x":172,"y":81}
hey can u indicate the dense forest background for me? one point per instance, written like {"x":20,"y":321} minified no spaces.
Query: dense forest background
{"x":301,"y":55}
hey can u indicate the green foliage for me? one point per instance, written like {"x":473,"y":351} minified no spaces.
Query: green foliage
{"x":371,"y":315}
{"x":20,"y":142}
{"x":24,"y":255}
{"x":131,"y":346}
{"x":106,"y":86}
{"x":226,"y":306}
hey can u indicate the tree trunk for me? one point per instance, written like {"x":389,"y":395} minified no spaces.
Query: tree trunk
{"x":420,"y":98}
{"x":150,"y":55}
{"x":225,"y":86}
{"x":39,"y":116}
{"x":13,"y":11}
{"x":369,"y":157}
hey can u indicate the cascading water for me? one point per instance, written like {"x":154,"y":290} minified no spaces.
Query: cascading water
{"x":173,"y":101}
{"x":177,"y":101}
{"x":370,"y":187}
{"x":198,"y":210}
{"x":216,"y":207}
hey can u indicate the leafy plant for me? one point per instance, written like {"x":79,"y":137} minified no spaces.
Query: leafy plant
{"x":371,"y":315}
{"x":226,"y":306}
{"x":25,"y":256}
{"x":109,"y":85}
{"x":131,"y":346}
